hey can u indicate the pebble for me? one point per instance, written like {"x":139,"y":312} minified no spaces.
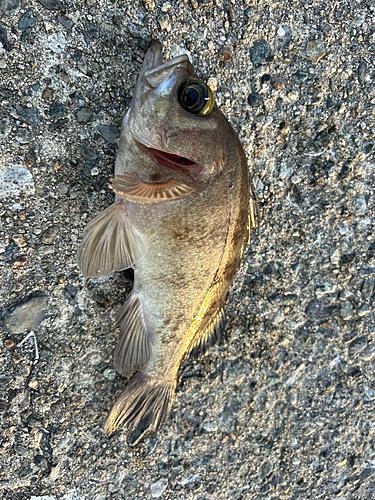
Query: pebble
{"x":367,"y":288}
{"x":62,"y":188}
{"x":4,"y":40}
{"x":5,"y":127}
{"x":358,"y":206}
{"x":14,"y":180}
{"x":29,"y":115}
{"x":281,"y":31}
{"x":252,"y":13}
{"x":209,"y":427}
{"x":261,"y":53}
{"x":364,"y":310}
{"x":212,"y":83}
{"x":3,"y":64}
{"x":281,"y":299}
{"x":9,"y":7}
{"x":9,"y":343}
{"x":49,"y":235}
{"x":300,"y":76}
{"x":109,"y":374}
{"x":367,"y":147}
{"x":357,"y":345}
{"x":50,"y":4}
{"x":110,"y":133}
{"x":324,"y":288}
{"x":84,"y":115}
{"x":255,"y":99}
{"x":164,"y":22}
{"x":346,"y":310}
{"x":24,"y":136}
{"x":55,"y":108}
{"x":225,"y":53}
{"x":364,"y":75}
{"x":27,"y":21}
{"x":27,"y":314}
{"x":277,"y":82}
{"x":315,"y":50}
{"x":157,"y":488}
{"x":56,"y":42}
{"x":92,"y":30}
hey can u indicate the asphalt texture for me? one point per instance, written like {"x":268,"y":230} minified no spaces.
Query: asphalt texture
{"x":283,"y":407}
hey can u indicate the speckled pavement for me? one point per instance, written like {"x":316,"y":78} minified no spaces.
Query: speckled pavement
{"x":283,"y":408}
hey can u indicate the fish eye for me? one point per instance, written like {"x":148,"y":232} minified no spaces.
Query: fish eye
{"x":196,"y":97}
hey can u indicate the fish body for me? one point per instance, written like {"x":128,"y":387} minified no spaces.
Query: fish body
{"x":181,"y":220}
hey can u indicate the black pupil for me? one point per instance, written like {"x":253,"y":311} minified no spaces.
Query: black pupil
{"x":190,"y":97}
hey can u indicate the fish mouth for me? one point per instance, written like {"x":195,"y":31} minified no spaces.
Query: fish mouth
{"x":169,"y":160}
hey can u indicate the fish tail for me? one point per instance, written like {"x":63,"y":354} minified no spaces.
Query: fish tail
{"x":144,"y":404}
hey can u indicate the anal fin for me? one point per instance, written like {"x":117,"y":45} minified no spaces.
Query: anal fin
{"x":109,"y":243}
{"x":210,"y":335}
{"x":143,"y":404}
{"x":131,"y":187}
{"x":133,"y":349}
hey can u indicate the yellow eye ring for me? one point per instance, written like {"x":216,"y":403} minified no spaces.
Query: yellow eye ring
{"x":196,"y":97}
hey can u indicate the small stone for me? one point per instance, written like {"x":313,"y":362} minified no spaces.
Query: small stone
{"x":24,"y":136}
{"x":212,"y":83}
{"x":47,"y":93}
{"x":94,"y":171}
{"x":29,"y":115}
{"x":110,"y":133}
{"x":4,"y":40}
{"x":14,"y":180}
{"x":25,"y":315}
{"x":109,"y":374}
{"x":66,"y":22}
{"x":62,"y":188}
{"x":3,"y":64}
{"x":346,"y":310}
{"x":315,"y":50}
{"x":166,"y":7}
{"x":357,"y":346}
{"x":56,"y":42}
{"x":231,"y":14}
{"x":49,"y":235}
{"x":33,"y":384}
{"x":367,"y":288}
{"x":92,"y":30}
{"x":209,"y":426}
{"x":55,"y":108}
{"x":281,"y":31}
{"x":364,"y":310}
{"x":24,"y":401}
{"x":50,"y":4}
{"x":253,"y":14}
{"x":164,"y":22}
{"x":324,"y":288}
{"x":281,"y":299}
{"x":358,"y":206}
{"x":368,"y":353}
{"x":9,"y":343}
{"x":277,"y":82}
{"x":300,"y":77}
{"x":367,"y":147}
{"x":255,"y":99}
{"x":335,"y":256}
{"x":225,"y":53}
{"x":9,"y":7}
{"x":5,"y":127}
{"x":157,"y":488}
{"x":261,"y":53}
{"x":149,"y":4}
{"x":27,"y":21}
{"x":84,"y":115}
{"x":58,"y":124}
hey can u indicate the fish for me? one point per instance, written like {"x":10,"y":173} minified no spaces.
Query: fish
{"x":181,"y":219}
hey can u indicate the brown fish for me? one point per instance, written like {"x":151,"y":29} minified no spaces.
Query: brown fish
{"x":181,"y":220}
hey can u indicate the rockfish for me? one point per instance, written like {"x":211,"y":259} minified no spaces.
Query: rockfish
{"x":181,"y":219}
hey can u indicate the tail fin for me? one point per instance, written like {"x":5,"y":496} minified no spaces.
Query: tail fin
{"x":144,"y":403}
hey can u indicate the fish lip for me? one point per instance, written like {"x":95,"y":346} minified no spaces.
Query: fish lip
{"x":169,"y":160}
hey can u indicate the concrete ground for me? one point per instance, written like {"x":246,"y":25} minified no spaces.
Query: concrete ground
{"x":283,"y":408}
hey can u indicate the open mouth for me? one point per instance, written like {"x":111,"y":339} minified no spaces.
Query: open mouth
{"x":170,"y":160}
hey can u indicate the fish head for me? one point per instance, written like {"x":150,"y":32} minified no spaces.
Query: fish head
{"x":173,"y":116}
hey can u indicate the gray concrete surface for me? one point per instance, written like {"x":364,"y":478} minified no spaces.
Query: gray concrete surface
{"x":283,"y":408}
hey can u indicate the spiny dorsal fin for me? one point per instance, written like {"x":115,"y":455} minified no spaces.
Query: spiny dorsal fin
{"x":131,"y":187}
{"x":209,"y":337}
{"x":144,"y":404}
{"x":109,"y":243}
{"x":134,"y":347}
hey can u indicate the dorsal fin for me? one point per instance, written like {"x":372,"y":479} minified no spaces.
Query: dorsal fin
{"x":131,"y":187}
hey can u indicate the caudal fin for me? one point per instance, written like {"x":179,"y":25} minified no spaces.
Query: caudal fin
{"x":145,"y":403}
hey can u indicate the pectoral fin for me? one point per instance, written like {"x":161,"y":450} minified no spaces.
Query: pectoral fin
{"x":109,"y":243}
{"x":130,"y":186}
